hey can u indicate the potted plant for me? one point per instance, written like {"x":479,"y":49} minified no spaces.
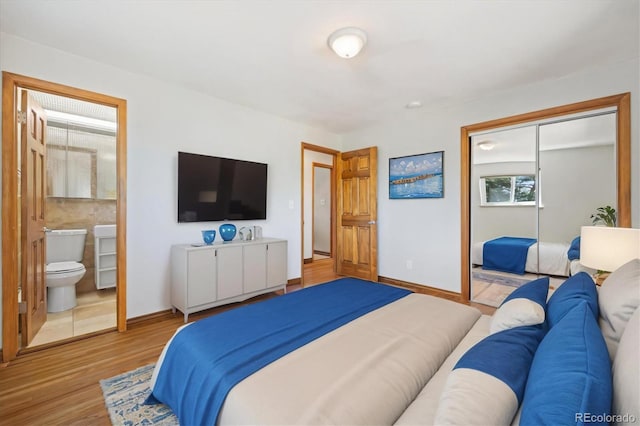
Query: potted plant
{"x":604,"y":216}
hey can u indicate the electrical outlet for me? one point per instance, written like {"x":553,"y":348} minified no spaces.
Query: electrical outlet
{"x":409,"y":264}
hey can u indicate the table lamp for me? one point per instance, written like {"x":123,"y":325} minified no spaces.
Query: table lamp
{"x":607,"y":248}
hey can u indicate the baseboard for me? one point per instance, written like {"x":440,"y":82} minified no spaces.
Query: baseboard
{"x":150,"y":317}
{"x":424,"y":289}
{"x":308,"y":260}
{"x":294,"y":281}
{"x":322,"y":253}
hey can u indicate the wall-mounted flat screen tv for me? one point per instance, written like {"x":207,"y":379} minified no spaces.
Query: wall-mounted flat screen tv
{"x":216,"y":189}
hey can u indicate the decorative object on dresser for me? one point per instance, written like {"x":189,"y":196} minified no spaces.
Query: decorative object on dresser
{"x":207,"y":276}
{"x":227,"y":231}
{"x":245,"y":233}
{"x":208,"y":236}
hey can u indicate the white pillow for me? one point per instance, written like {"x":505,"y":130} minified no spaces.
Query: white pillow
{"x":618,"y":299}
{"x":626,"y":371}
{"x":516,"y":313}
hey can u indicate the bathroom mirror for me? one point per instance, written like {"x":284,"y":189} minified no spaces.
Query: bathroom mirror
{"x":81,"y":148}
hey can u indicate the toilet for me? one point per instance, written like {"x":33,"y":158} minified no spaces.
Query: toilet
{"x":65,"y":248}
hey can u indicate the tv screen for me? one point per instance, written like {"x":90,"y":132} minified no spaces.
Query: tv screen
{"x":216,"y":188}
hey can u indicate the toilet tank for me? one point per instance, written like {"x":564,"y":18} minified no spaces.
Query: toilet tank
{"x":65,"y":245}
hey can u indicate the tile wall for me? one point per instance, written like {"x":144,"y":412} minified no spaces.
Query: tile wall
{"x":80,"y":213}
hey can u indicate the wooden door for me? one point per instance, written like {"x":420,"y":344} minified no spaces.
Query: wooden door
{"x":33,"y":210}
{"x":357,"y":233}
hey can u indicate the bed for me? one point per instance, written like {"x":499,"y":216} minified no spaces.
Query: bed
{"x":553,"y":258}
{"x":392,"y":364}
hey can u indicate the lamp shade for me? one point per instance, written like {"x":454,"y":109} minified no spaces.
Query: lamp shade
{"x":607,"y":248}
{"x":347,"y":42}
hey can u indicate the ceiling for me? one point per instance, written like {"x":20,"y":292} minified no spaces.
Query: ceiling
{"x":272,"y":56}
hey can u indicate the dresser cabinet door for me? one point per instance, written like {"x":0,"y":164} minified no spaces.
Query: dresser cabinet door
{"x":229,"y":272}
{"x":276,"y":264}
{"x":255,"y":267}
{"x":201,"y":276}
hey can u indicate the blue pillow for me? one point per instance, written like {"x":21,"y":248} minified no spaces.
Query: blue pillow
{"x":498,"y":365}
{"x":575,"y":289}
{"x":574,"y":249}
{"x":570,"y":376}
{"x":535,"y":291}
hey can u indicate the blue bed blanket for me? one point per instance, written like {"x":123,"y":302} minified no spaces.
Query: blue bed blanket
{"x":207,"y":358}
{"x":506,"y":254}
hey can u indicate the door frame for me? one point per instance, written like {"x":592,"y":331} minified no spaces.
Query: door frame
{"x":334,"y":153}
{"x":10,"y":233}
{"x":623,"y":164}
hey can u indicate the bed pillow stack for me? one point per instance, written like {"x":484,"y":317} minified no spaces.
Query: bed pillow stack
{"x":570,"y":377}
{"x":498,"y":364}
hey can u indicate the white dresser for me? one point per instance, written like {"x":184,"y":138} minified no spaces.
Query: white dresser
{"x":205,"y":276}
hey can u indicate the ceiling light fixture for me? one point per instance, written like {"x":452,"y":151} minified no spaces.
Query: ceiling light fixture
{"x":347,"y":42}
{"x":486,"y":145}
{"x":413,"y":105}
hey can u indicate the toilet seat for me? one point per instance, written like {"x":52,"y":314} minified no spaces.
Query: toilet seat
{"x":63,"y":267}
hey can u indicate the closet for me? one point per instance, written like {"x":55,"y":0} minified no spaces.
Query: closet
{"x":539,"y":177}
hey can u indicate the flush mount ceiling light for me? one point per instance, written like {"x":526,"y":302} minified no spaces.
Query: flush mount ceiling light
{"x":347,"y":42}
{"x":413,"y":105}
{"x":486,"y":145}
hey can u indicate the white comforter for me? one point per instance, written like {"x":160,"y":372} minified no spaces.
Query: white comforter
{"x":366,"y":372}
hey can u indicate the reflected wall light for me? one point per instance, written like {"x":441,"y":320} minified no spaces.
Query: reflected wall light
{"x":485,"y":145}
{"x":347,"y":42}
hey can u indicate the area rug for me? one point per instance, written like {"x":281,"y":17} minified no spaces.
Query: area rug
{"x":124,"y":396}
{"x":495,"y":278}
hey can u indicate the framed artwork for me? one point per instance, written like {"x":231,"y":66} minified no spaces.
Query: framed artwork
{"x":417,"y":176}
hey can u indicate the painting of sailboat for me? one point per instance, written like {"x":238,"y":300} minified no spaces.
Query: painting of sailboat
{"x":417,"y":176}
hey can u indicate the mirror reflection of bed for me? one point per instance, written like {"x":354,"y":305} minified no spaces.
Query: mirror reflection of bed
{"x":493,"y":283}
{"x":539,"y":182}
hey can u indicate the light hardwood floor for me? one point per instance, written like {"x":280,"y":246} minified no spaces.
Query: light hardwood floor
{"x":59,"y":385}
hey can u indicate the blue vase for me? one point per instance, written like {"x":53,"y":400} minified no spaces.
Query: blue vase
{"x":208,"y":236}
{"x":227,"y":231}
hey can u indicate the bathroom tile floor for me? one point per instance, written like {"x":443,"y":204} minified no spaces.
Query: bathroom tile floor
{"x":95,"y":311}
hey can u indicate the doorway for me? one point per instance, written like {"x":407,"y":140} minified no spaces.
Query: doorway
{"x":13,"y":225}
{"x":318,"y":214}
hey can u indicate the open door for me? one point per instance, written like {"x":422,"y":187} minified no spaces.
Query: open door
{"x":33,"y":123}
{"x":357,"y":233}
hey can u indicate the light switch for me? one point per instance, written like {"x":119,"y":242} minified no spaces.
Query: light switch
{"x":291,"y":204}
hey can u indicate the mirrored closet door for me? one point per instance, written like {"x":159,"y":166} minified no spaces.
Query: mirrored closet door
{"x":532,"y":186}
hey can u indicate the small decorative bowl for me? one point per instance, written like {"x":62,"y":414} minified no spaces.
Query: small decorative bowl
{"x":227,"y":231}
{"x":208,"y":236}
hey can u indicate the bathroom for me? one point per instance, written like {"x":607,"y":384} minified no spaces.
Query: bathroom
{"x":80,"y":195}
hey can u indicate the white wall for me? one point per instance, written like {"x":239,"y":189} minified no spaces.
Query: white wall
{"x":163,"y":119}
{"x":490,"y":222}
{"x":322,"y":209}
{"x":310,"y":157}
{"x":588,"y":181}
{"x":427,"y":231}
